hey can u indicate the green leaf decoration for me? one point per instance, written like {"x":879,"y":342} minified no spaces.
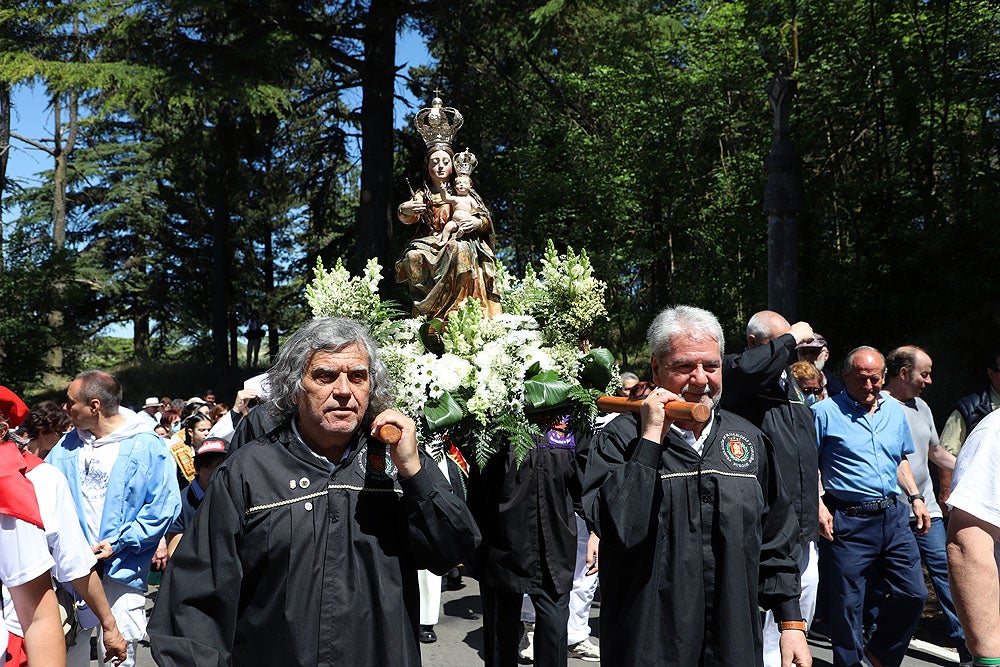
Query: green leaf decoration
{"x":546,"y":390}
{"x":598,"y":368}
{"x":430,"y":336}
{"x":441,"y":412}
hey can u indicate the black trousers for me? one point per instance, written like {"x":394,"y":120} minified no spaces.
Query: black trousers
{"x":502,"y":627}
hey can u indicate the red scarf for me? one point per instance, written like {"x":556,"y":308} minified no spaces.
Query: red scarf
{"x":17,"y":495}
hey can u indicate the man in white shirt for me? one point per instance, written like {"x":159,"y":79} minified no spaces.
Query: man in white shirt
{"x":74,"y":561}
{"x":24,"y":558}
{"x":974,"y":539}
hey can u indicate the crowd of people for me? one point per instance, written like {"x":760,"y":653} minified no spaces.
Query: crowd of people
{"x":745,"y":500}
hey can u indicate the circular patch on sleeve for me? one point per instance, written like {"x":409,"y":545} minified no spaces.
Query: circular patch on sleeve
{"x":738,"y":451}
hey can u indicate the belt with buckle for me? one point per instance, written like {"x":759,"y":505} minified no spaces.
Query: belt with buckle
{"x":863,"y":508}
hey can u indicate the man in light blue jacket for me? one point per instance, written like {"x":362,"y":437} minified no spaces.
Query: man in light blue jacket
{"x":124,"y":485}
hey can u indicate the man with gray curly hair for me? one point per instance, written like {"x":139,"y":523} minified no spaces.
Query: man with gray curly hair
{"x":306,"y":547}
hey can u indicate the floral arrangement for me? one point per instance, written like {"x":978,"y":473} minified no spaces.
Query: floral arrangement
{"x":475,"y":381}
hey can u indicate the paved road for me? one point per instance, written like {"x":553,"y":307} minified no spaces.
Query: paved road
{"x":460,"y":637}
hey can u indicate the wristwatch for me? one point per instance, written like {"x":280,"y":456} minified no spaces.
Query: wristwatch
{"x":792,"y":625}
{"x":915,"y":496}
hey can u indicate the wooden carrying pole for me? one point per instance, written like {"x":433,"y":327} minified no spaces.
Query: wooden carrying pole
{"x":389,"y":434}
{"x":676,"y":410}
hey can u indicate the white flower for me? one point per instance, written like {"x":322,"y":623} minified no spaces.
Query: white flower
{"x":452,"y":372}
{"x":485,"y":360}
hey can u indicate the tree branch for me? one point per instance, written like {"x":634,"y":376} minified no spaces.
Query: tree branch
{"x":32,"y":142}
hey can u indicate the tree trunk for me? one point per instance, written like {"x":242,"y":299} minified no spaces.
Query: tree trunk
{"x":140,"y":336}
{"x":268,"y":311}
{"x":234,"y":344}
{"x":221,"y":272}
{"x":378,"y":76}
{"x":4,"y":153}
{"x":61,"y":150}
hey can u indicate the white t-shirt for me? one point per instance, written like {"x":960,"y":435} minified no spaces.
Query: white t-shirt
{"x":975,"y":484}
{"x":95,"y":463}
{"x":72,"y":553}
{"x":24,"y":555}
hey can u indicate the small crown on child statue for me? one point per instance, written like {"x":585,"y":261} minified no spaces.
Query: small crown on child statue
{"x":465,"y":163}
{"x":437,"y":124}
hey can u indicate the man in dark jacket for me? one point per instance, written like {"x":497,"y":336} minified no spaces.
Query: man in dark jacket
{"x":760,"y":388}
{"x":695,"y":528}
{"x":527,"y":516}
{"x":306,"y":548}
{"x":968,"y":412}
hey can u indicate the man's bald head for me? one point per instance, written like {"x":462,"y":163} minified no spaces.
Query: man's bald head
{"x":764,"y":326}
{"x":864,"y":373}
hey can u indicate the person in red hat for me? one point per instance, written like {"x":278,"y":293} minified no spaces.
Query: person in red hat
{"x":74,"y":564}
{"x":207,"y":457}
{"x":25,"y":562}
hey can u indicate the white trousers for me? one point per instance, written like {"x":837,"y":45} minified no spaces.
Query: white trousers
{"x":430,"y":583}
{"x":430,"y":597}
{"x":584,"y":586}
{"x":807,"y":605}
{"x":128,"y":606}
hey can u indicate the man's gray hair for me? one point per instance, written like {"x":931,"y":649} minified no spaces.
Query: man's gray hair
{"x":695,"y":323}
{"x":762,"y":325}
{"x":102,"y":386}
{"x":628,"y":375}
{"x":849,"y":361}
{"x":328,"y":334}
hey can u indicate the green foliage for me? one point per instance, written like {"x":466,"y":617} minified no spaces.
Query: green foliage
{"x":638,"y":131}
{"x":29,"y":292}
{"x":216,"y":160}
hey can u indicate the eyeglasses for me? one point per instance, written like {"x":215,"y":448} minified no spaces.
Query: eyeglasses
{"x":814,"y":391}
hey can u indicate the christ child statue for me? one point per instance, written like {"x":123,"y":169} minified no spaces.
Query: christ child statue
{"x":462,"y":204}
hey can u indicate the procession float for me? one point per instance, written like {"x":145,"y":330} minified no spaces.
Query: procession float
{"x":484,"y":357}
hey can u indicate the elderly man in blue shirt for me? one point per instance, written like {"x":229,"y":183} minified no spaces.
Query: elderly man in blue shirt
{"x":863,"y":442}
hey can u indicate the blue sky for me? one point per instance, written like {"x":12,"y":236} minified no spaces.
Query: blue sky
{"x":32,"y":118}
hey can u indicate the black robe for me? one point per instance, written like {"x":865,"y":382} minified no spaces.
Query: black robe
{"x":527,"y":516}
{"x":690,"y":546}
{"x":753,"y":391}
{"x":275,"y":571}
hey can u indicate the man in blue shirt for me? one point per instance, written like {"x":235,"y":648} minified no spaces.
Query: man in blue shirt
{"x":863,"y":442}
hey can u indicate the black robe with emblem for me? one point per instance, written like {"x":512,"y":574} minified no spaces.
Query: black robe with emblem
{"x":291,"y":563}
{"x":690,"y":545}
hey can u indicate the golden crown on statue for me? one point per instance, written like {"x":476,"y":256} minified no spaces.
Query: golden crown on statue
{"x":438,"y":124}
{"x":465,"y":163}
